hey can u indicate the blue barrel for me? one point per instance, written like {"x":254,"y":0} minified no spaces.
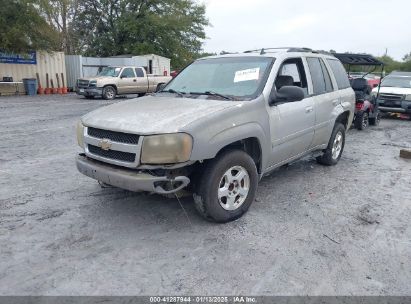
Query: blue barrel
{"x":30,"y":85}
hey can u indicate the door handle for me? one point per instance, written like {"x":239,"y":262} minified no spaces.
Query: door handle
{"x":134,"y":80}
{"x":309,"y":109}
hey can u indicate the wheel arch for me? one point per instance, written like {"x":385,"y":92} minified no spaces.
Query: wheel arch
{"x":344,"y":118}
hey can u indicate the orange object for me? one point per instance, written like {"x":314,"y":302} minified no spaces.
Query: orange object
{"x":40,"y":91}
{"x":59,"y":90}
{"x":54,"y":90}
{"x":47,"y":91}
{"x":64,"y":90}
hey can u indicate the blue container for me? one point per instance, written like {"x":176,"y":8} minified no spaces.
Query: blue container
{"x":30,"y":85}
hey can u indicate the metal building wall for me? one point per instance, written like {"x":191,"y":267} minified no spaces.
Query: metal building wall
{"x":51,"y":63}
{"x":74,"y":69}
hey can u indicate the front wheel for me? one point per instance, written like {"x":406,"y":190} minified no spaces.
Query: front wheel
{"x":335,"y":147}
{"x":227,"y":187}
{"x":375,"y":121}
{"x":361,"y":120}
{"x":109,"y":92}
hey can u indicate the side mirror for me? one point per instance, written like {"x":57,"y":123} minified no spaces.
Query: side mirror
{"x":160,"y":87}
{"x":287,"y":94}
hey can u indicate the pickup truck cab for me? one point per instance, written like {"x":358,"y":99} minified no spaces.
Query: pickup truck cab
{"x":221,"y":125}
{"x":112,"y":81}
{"x":395,"y":93}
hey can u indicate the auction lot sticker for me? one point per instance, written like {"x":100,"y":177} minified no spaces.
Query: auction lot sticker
{"x":245,"y":75}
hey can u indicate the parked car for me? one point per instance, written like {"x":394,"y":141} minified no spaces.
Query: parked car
{"x":395,"y":93}
{"x":221,"y":125}
{"x":112,"y":81}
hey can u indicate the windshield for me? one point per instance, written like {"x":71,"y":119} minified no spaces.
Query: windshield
{"x":238,"y":77}
{"x":109,"y":71}
{"x":398,"y":82}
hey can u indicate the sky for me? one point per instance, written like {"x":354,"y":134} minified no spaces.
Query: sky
{"x":365,"y":26}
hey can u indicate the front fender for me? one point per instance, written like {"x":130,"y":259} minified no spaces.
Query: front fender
{"x":209,"y":149}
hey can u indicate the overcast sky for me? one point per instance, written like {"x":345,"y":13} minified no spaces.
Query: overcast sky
{"x":345,"y":25}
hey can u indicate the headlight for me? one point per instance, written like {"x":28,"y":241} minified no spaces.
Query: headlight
{"x":408,"y":97}
{"x":80,"y":134}
{"x":166,"y":149}
{"x":93,"y":83}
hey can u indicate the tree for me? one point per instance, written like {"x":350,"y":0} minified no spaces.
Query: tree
{"x":60,"y":14}
{"x":171,"y":28}
{"x":23,"y":29}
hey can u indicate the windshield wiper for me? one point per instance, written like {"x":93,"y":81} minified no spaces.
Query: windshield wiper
{"x":212,"y":93}
{"x":181,"y":94}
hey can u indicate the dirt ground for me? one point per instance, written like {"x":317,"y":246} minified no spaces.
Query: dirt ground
{"x":313,"y":230}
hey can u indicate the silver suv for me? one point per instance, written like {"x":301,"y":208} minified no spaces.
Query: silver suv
{"x":220,"y":126}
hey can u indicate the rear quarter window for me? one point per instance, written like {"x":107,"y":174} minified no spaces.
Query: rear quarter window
{"x":340,"y":74}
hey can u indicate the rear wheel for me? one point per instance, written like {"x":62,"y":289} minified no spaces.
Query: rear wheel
{"x":361,"y":120}
{"x":109,"y":92}
{"x":227,"y":187}
{"x":335,"y":147}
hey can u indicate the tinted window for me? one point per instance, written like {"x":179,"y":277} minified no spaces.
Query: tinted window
{"x":317,"y":76}
{"x":128,"y":73}
{"x":339,"y":73}
{"x":327,"y":78}
{"x":139,"y":72}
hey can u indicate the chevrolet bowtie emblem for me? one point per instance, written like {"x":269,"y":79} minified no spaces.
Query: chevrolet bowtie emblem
{"x":105,"y":144}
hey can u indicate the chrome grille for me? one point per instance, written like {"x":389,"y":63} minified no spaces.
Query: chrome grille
{"x":114,"y":136}
{"x":82,"y":84}
{"x":112,"y":154}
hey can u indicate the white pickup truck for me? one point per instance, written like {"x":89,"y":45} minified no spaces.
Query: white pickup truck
{"x":112,"y":81}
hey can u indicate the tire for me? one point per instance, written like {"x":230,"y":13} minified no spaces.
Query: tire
{"x":109,"y":92}
{"x":361,"y":121}
{"x":375,"y":121}
{"x":216,"y":197}
{"x":141,"y":94}
{"x":331,"y":156}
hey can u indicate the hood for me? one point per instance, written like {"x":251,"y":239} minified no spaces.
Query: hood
{"x":97,"y":77}
{"x":154,"y":115}
{"x":393,"y":90}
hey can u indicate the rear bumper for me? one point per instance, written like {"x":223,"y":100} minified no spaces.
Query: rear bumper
{"x":90,"y":91}
{"x":129,"y":179}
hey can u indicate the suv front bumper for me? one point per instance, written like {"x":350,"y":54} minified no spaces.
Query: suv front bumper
{"x":402,"y":107}
{"x":129,"y":179}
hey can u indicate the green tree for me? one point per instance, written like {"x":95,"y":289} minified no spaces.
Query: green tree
{"x":171,"y":28}
{"x":22,"y":28}
{"x":60,"y":14}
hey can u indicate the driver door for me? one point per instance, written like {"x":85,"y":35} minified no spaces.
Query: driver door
{"x":127,"y":82}
{"x":291,"y":123}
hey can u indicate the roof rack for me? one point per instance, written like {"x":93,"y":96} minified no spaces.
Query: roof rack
{"x":287,"y":49}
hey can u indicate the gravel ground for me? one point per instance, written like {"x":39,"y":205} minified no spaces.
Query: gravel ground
{"x":315,"y":230}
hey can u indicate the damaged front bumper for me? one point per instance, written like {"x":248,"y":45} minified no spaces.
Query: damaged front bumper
{"x":129,"y":179}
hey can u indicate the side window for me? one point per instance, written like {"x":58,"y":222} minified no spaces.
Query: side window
{"x":292,"y":73}
{"x":339,"y":73}
{"x":327,"y":78}
{"x":139,"y":72}
{"x":128,"y":73}
{"x":317,"y":76}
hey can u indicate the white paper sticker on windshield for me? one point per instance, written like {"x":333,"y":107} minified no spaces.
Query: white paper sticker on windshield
{"x":245,"y":75}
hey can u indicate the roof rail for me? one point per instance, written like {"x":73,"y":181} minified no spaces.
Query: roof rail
{"x":287,"y":49}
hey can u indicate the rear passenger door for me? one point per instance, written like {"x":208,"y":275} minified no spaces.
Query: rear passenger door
{"x":142,"y":80}
{"x":326,"y":98}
